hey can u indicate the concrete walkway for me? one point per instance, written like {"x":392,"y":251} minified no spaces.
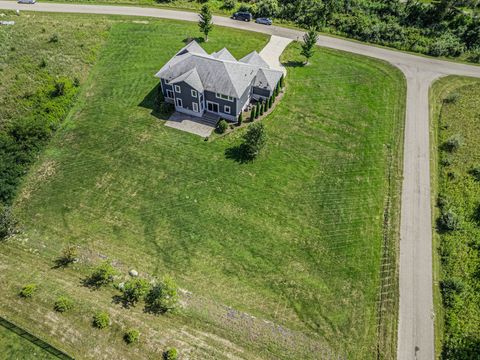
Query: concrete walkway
{"x":415,"y":333}
{"x":272,"y":51}
{"x":190,"y":124}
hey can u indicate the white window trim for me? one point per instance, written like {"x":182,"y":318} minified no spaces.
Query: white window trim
{"x":195,"y":107}
{"x":223,"y":97}
{"x":225,"y":107}
{"x":166,"y":94}
{"x":177,"y":89}
{"x":178,"y":100}
{"x":194,"y":93}
{"x":211,"y":102}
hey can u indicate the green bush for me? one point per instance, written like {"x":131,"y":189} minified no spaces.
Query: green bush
{"x":257,"y":110}
{"x":170,"y":354}
{"x":229,"y":4}
{"x":101,"y":320}
{"x":134,"y":290}
{"x":240,"y":119}
{"x":253,"y":141}
{"x":162,"y":297}
{"x":68,"y":256}
{"x":450,"y":288}
{"x":59,"y":88}
{"x":102,"y":275}
{"x":448,"y":221}
{"x":453,"y":143}
{"x":475,"y":172}
{"x":131,"y":336}
{"x":63,"y":304}
{"x":28,"y":290}
{"x":53,"y":38}
{"x":222,"y":126}
{"x":266,"y":8}
{"x":7,"y":222}
{"x":261,"y":107}
{"x":451,"y":98}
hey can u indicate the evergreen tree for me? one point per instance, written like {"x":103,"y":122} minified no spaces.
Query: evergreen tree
{"x":257,"y":110}
{"x":240,"y":119}
{"x":270,"y":102}
{"x":252,"y":114}
{"x":281,"y":83}
{"x":205,"y":23}
{"x":261,"y":108}
{"x":309,"y":40}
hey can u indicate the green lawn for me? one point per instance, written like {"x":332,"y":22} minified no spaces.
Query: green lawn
{"x":14,"y":347}
{"x":294,"y":237}
{"x":457,"y":256}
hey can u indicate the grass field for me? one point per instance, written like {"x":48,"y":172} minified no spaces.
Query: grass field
{"x":294,"y":238}
{"x":457,"y":258}
{"x":14,"y":347}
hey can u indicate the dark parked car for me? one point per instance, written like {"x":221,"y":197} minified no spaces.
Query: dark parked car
{"x":264,"y":21}
{"x":242,"y":16}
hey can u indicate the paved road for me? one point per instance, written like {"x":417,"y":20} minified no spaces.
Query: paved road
{"x":415,"y":333}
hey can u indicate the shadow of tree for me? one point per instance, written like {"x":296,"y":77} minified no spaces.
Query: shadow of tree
{"x":155,"y":102}
{"x":238,"y":154}
{"x":293,"y":64}
{"x":118,"y":299}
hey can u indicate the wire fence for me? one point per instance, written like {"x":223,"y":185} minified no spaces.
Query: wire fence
{"x":34,"y":340}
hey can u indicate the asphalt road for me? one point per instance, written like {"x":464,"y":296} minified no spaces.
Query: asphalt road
{"x":415,"y":332}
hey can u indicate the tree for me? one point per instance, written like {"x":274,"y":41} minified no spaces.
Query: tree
{"x":102,"y":275}
{"x":281,"y":83}
{"x":205,"y":23}
{"x":252,"y":114}
{"x":309,"y":40}
{"x":266,"y":8}
{"x":254,"y":140}
{"x":262,"y":107}
{"x":163,"y":297}
{"x":257,"y":110}
{"x":134,"y":290}
{"x":68,"y":256}
{"x":240,"y":119}
{"x":270,"y":101}
{"x":229,"y":4}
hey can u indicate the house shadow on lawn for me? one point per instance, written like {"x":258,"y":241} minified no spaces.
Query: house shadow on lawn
{"x":155,"y":102}
{"x":188,"y":40}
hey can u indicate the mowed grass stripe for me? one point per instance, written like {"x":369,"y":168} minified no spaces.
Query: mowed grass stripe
{"x":299,"y":229}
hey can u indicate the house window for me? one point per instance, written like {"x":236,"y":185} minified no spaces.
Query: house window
{"x":177,"y":89}
{"x":195,"y":107}
{"x":226,"y":109}
{"x":179,"y":103}
{"x":194,"y":93}
{"x":224,"y":97}
{"x":170,"y":94}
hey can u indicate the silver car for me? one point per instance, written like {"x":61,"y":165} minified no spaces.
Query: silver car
{"x":264,"y":21}
{"x":27,"y":1}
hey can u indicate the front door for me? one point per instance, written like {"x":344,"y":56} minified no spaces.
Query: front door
{"x":212,"y":107}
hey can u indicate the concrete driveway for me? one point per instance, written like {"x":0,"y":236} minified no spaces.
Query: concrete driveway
{"x":272,"y":51}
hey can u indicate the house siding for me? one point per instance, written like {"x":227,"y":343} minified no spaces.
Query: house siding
{"x":261,"y":92}
{"x":211,"y":96}
{"x":187,"y":98}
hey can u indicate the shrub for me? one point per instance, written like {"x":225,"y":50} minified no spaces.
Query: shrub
{"x":59,"y":88}
{"x":253,"y":141}
{"x":101,"y":320}
{"x":131,"y":336}
{"x":170,"y":354}
{"x":475,"y":172}
{"x":69,"y":255}
{"x":262,"y":107}
{"x":43,"y":63}
{"x":229,"y":4}
{"x":7,"y":222}
{"x":103,"y":274}
{"x":163,"y":297}
{"x":253,"y":114}
{"x":63,"y":304}
{"x":134,"y":289}
{"x":76,"y":82}
{"x":451,"y":98}
{"x":282,"y":83}
{"x":240,"y":119}
{"x":222,"y":126}
{"x":453,"y":143}
{"x":266,"y":8}
{"x":28,"y":290}
{"x":53,"y":38}
{"x":257,"y":110}
{"x":450,"y":288}
{"x":448,"y":221}
{"x":270,"y":102}
{"x":474,"y":55}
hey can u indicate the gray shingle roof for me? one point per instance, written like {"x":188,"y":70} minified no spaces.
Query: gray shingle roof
{"x":192,"y":78}
{"x":254,"y":58}
{"x":219,"y":72}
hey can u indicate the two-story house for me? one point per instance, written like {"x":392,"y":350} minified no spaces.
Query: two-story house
{"x":197,"y":82}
